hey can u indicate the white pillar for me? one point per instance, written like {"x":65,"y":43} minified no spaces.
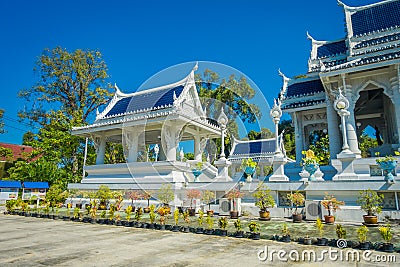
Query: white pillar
{"x":396,"y":103}
{"x":298,"y":133}
{"x":197,"y":152}
{"x":333,"y":129}
{"x":101,"y":150}
{"x":133,"y":144}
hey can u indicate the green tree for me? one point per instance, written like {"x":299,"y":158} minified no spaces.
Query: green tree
{"x":233,"y":94}
{"x":71,"y":86}
{"x":264,"y":134}
{"x":365,"y":142}
{"x":56,"y":194}
{"x":319,"y":143}
{"x":28,"y":137}
{"x":286,"y":127}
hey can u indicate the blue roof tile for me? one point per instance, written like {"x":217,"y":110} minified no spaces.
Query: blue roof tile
{"x":303,"y":104}
{"x":305,"y":88}
{"x":376,"y":41}
{"x":36,"y":185}
{"x":151,"y":100}
{"x":10,"y":184}
{"x":331,"y":49}
{"x":375,"y":18}
{"x":254,"y":147}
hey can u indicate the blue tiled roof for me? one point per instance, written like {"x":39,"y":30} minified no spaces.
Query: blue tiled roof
{"x":305,"y":88}
{"x":375,"y":18}
{"x":332,"y":49}
{"x":10,"y":184}
{"x":254,"y":147}
{"x":36,"y":185}
{"x":376,"y":41}
{"x":152,"y":100}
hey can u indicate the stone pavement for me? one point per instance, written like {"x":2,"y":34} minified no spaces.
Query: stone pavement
{"x":26,"y":241}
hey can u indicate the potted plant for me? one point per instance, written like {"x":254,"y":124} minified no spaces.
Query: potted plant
{"x":200,"y":222}
{"x":186,"y":218}
{"x":264,"y":200}
{"x":320,"y":228}
{"x":388,"y":164}
{"x":310,"y":163}
{"x":208,"y":197}
{"x":111,"y":214}
{"x":331,"y":204}
{"x":134,"y":196}
{"x":254,"y":228}
{"x":118,"y":220}
{"x":93,"y":213}
{"x":128,"y":212}
{"x":76,"y":214}
{"x":285,"y":233}
{"x":138,"y":216}
{"x":104,"y":195}
{"x":249,"y":167}
{"x":175,"y":228}
{"x":102,"y":219}
{"x":362,"y":237}
{"x":238,"y":227}
{"x":371,"y":203}
{"x":233,"y":195}
{"x":340,"y":232}
{"x":386,"y":234}
{"x":223,"y":223}
{"x":163,"y":213}
{"x":146,"y":196}
{"x":166,"y":195}
{"x":297,"y":199}
{"x":192,"y":194}
{"x":210,"y":224}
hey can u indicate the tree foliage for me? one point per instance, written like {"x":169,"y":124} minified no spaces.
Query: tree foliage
{"x":289,"y":143}
{"x":319,"y":144}
{"x":365,"y":142}
{"x":1,"y":121}
{"x":265,"y":133}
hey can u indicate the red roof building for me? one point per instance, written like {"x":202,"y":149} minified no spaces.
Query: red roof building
{"x":19,"y":151}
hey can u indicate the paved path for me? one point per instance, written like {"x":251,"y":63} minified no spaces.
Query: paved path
{"x":43,"y":242}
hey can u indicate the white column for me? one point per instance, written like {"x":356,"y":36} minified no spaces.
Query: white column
{"x":133,"y":144}
{"x":197,"y":152}
{"x":298,"y":133}
{"x":396,"y":103}
{"x":351,"y":132}
{"x":333,"y":129}
{"x":101,"y":150}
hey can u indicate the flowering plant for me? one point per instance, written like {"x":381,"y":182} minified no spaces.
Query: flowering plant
{"x":248,"y":163}
{"x":330,"y":203}
{"x":234,"y":193}
{"x":193,"y":194}
{"x":388,"y":158}
{"x":309,"y":158}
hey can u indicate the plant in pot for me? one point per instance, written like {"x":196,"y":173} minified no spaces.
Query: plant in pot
{"x":285,"y":233}
{"x":138,"y":216}
{"x":210,"y":224}
{"x":387,"y":235}
{"x":128,"y":213}
{"x":310,"y":163}
{"x":249,"y":167}
{"x":223,"y":223}
{"x":331,"y":204}
{"x":371,"y":203}
{"x":307,"y":240}
{"x":102,"y":219}
{"x":93,"y":213}
{"x":238,"y":227}
{"x":104,"y":195}
{"x":76,"y":214}
{"x":254,"y":228}
{"x":297,"y":199}
{"x":152,"y":217}
{"x":320,"y":228}
{"x":163,"y":213}
{"x":166,"y":195}
{"x":208,"y":197}
{"x":233,"y":195}
{"x":175,"y":228}
{"x":118,"y":220}
{"x":362,"y":232}
{"x":146,"y":196}
{"x":341,"y":233}
{"x":264,"y":200}
{"x":192,"y":194}
{"x":186,"y":218}
{"x":388,"y":164}
{"x":111,"y":214}
{"x":200,"y":221}
{"x":134,"y":196}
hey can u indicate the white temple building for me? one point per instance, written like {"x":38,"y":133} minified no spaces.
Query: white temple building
{"x":351,"y":83}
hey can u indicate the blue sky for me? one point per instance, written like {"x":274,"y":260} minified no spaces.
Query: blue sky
{"x":140,"y":38}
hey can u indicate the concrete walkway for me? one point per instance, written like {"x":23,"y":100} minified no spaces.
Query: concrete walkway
{"x":28,"y":241}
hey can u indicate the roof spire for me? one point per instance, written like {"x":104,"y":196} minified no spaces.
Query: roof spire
{"x":285,"y":81}
{"x":309,"y":37}
{"x":196,"y":66}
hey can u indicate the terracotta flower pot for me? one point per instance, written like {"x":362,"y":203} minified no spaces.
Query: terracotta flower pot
{"x":370,"y":219}
{"x":146,"y":210}
{"x":329,"y":219}
{"x":264,"y":215}
{"x":192,"y":212}
{"x":234,"y":214}
{"x":210,"y":212}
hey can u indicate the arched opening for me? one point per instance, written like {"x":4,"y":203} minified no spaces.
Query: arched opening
{"x":376,"y":110}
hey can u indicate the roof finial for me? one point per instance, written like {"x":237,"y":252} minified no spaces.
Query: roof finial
{"x":322,"y":65}
{"x":309,"y":37}
{"x":285,"y":81}
{"x":196,"y":66}
{"x":175,"y":98}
